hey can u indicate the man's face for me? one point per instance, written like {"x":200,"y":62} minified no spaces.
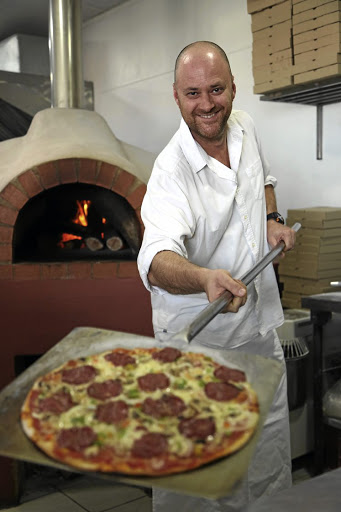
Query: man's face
{"x":204,"y":91}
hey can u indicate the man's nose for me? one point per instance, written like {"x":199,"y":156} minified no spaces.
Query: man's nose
{"x":206,"y":102}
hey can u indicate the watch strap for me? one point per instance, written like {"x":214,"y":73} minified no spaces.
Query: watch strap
{"x":275,"y":216}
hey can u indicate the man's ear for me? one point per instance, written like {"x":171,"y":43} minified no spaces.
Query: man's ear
{"x":175,"y":95}
{"x":234,"y":88}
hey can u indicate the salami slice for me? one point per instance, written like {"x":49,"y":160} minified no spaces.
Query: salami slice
{"x":150,"y":445}
{"x":167,"y":405}
{"x":112,"y":412}
{"x":76,"y":438}
{"x":197,"y":429}
{"x":153,"y":381}
{"x":221,"y":391}
{"x":57,"y":403}
{"x":79,"y":374}
{"x":106,"y":389}
{"x":229,"y":374}
{"x":167,"y":355}
{"x":120,"y":358}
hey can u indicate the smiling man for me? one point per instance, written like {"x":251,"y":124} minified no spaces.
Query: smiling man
{"x":210,"y":214}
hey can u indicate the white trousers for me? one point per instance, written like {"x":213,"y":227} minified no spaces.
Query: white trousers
{"x":270,"y":468}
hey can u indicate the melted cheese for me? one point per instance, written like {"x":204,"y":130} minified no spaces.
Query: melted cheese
{"x":186,"y":381}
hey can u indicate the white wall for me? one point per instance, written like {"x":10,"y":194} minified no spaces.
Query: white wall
{"x":129,"y":54}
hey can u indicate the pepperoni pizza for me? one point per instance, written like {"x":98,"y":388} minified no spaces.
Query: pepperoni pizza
{"x":142,"y":411}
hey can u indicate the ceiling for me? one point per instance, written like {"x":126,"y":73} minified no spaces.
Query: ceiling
{"x":31,"y":16}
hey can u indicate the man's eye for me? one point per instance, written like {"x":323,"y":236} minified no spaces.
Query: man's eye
{"x":217,"y":89}
{"x":192,"y":93}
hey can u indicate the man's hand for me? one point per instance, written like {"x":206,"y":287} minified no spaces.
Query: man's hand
{"x":218,"y":281}
{"x":278,"y":232}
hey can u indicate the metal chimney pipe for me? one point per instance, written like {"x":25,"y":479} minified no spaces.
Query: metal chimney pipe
{"x":65,"y":46}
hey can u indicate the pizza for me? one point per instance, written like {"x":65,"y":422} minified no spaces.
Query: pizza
{"x":141,"y":411}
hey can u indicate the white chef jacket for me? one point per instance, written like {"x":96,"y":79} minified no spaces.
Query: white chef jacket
{"x":215,"y":217}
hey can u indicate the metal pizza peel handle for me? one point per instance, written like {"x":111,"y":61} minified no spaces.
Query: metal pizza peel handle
{"x":215,"y":307}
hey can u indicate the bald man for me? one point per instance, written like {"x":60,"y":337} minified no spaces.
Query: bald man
{"x":210,"y":214}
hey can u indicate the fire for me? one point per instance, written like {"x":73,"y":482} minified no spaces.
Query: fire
{"x":82,"y":213}
{"x":82,"y":219}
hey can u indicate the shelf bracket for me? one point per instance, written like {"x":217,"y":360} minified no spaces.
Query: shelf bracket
{"x":319,"y":131}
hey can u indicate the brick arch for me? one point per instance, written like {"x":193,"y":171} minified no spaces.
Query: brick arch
{"x":59,"y":172}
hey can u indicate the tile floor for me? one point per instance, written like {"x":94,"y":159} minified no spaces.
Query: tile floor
{"x":49,"y":490}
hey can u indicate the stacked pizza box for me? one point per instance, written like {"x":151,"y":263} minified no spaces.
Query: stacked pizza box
{"x":316,"y":26}
{"x":316,"y":258}
{"x":294,"y":42}
{"x":272,"y":52}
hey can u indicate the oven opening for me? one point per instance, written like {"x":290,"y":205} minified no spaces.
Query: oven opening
{"x":76,"y":222}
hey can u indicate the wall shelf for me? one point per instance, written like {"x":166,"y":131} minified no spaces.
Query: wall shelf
{"x":318,"y":93}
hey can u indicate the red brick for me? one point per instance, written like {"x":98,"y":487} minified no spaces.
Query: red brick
{"x":67,"y":170}
{"x":136,"y":197}
{"x":54,"y":271}
{"x":7,"y":215}
{"x":87,"y":170}
{"x":123,"y":182}
{"x":127,"y":269}
{"x":48,"y":175}
{"x":80,"y":270}
{"x":104,"y":270}
{"x":26,"y":272}
{"x":6,"y":253}
{"x":30,"y":183}
{"x":14,"y":196}
{"x":106,"y":175}
{"x":6,"y":271}
{"x":6,"y":234}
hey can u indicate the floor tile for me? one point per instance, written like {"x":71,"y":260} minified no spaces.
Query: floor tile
{"x":98,"y":495}
{"x":139,"y":505}
{"x":55,"y":502}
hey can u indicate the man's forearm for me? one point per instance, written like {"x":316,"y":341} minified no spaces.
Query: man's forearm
{"x":175,"y":274}
{"x":270,"y":199}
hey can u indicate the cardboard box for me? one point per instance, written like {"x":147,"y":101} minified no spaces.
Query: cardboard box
{"x":316,"y":59}
{"x":273,"y":85}
{"x":314,"y":241}
{"x":263,"y":58}
{"x":321,"y":42}
{"x":318,"y":223}
{"x":274,"y":71}
{"x":327,"y":19}
{"x":315,"y":213}
{"x":291,"y":301}
{"x":271,"y":16}
{"x":277,"y":31}
{"x":310,"y":272}
{"x":318,"y":74}
{"x":317,"y":249}
{"x":317,"y":33}
{"x":273,"y":44}
{"x":317,"y":12}
{"x":307,"y":4}
{"x":259,"y":5}
{"x":305,"y":286}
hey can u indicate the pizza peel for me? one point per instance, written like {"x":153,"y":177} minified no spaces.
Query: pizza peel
{"x":215,"y":307}
{"x":215,"y":480}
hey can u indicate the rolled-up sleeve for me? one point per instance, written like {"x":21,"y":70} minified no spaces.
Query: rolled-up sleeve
{"x":168,"y":220}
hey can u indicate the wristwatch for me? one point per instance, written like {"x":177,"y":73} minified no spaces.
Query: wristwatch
{"x":275,"y":216}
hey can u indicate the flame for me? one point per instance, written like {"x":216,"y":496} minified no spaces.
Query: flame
{"x":82,"y":213}
{"x":80,"y":218}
